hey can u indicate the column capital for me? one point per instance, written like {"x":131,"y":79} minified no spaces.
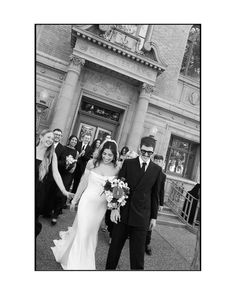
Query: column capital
{"x":147,"y":89}
{"x":76,"y":62}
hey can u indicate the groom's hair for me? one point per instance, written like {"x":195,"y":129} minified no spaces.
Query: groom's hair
{"x":148,"y":141}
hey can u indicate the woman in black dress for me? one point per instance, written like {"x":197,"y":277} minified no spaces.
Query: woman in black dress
{"x":69,"y":158}
{"x":46,"y":170}
{"x":192,"y":202}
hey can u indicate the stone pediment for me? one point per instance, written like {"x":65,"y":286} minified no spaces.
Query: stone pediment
{"x":114,"y":56}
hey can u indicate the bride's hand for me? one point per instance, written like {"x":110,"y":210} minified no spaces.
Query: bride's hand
{"x":72,"y":207}
{"x":115,"y":216}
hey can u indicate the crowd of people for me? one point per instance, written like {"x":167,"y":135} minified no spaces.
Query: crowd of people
{"x":73,"y":176}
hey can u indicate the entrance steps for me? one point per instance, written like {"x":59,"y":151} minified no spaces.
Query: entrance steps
{"x":168,"y":218}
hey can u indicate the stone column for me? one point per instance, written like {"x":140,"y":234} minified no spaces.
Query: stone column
{"x":63,"y":114}
{"x":139,"y":117}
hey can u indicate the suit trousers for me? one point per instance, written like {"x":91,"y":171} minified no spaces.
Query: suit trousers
{"x":148,"y":237}
{"x":137,"y":238}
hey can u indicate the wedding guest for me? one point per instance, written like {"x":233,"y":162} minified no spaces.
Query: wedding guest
{"x":57,"y":142}
{"x":191,"y":201}
{"x":68,"y":159}
{"x":95,"y":147}
{"x":123,"y":153}
{"x":85,"y":153}
{"x":46,"y":170}
{"x":157,"y":159}
{"x":52,"y":200}
{"x":140,"y":212}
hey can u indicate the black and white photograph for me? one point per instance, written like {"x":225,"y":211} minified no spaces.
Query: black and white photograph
{"x":118,"y":147}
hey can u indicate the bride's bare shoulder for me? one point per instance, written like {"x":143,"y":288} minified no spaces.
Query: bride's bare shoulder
{"x":90,"y":164}
{"x":118,"y":167}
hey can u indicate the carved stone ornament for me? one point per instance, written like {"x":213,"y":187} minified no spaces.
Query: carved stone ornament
{"x":194,"y":98}
{"x":76,"y":61}
{"x":147,"y":88}
{"x":105,"y":28}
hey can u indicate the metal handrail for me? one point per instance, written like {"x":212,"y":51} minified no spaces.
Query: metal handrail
{"x":183,"y":204}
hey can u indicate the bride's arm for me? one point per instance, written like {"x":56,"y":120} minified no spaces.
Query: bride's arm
{"x":82,"y":185}
{"x":57,"y":176}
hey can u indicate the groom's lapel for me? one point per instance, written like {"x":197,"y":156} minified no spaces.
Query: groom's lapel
{"x":146,"y":175}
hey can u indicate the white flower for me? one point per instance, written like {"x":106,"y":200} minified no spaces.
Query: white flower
{"x":108,"y":193}
{"x":121,"y":184}
{"x":109,"y":198}
{"x":123,"y":203}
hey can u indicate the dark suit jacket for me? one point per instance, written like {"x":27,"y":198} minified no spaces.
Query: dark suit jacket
{"x":162,"y":188}
{"x":142,"y":204}
{"x":59,"y":151}
{"x":82,"y":161}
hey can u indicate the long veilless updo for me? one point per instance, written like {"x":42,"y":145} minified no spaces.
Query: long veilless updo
{"x":111,"y":145}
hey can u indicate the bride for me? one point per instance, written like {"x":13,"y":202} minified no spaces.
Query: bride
{"x":76,"y":249}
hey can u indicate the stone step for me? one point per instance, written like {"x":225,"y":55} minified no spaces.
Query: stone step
{"x":167,"y":208}
{"x":170,"y":215}
{"x":168,"y":221}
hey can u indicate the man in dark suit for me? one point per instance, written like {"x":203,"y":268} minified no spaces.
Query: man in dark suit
{"x":140,"y":212}
{"x":57,"y":144}
{"x":157,"y":159}
{"x":85,"y":152}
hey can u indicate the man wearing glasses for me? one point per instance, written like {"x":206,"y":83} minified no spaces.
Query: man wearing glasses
{"x":140,"y":212}
{"x":57,"y":145}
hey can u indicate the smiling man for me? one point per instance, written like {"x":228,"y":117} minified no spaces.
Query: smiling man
{"x":140,"y":212}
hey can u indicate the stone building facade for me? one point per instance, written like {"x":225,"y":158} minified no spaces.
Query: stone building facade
{"x":124,"y":80}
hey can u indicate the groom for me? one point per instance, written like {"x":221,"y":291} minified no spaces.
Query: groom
{"x":140,"y":212}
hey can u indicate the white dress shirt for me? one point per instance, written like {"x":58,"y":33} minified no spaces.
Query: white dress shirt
{"x":141,"y":163}
{"x":55,"y":144}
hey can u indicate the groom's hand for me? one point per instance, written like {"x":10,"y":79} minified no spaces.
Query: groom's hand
{"x":153,"y":223}
{"x":115,"y":215}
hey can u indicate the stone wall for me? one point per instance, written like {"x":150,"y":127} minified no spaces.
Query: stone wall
{"x":171,"y":41}
{"x":55,"y":40}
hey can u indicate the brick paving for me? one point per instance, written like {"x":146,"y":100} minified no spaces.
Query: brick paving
{"x":173,"y":248}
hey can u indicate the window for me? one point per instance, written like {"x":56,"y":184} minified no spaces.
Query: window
{"x":191,"y":61}
{"x":181,"y":156}
{"x":99,"y":111}
{"x":135,"y":30}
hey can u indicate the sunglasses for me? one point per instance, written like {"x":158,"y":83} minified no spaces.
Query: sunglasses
{"x":144,"y":152}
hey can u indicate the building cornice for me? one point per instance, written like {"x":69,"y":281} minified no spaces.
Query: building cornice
{"x":51,"y":61}
{"x":136,"y":57}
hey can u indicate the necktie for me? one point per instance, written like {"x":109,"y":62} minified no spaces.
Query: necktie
{"x":143,"y":167}
{"x":83,"y":147}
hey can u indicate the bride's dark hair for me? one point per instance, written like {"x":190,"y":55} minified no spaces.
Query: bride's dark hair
{"x":111,"y":145}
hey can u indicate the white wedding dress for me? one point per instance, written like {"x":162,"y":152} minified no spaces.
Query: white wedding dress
{"x":76,"y":249}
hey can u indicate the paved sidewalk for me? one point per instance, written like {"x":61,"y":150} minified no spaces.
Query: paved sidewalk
{"x":173,"y":248}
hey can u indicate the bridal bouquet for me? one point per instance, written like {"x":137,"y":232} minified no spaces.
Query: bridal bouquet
{"x":116,"y":193}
